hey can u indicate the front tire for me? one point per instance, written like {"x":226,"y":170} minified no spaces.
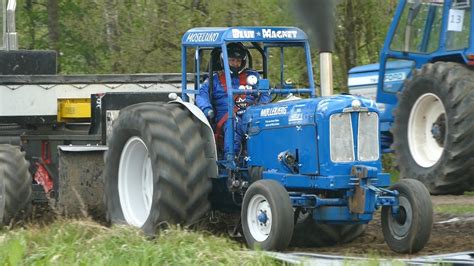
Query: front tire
{"x":433,"y":127}
{"x":156,"y":167}
{"x":409,"y":230}
{"x":267,"y":216}
{"x":15,"y":185}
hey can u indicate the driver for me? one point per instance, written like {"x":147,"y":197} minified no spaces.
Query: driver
{"x":215,"y":106}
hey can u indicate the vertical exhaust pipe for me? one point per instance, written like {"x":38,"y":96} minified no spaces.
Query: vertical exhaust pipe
{"x":325,"y":59}
{"x":319,"y":17}
{"x":10,"y":40}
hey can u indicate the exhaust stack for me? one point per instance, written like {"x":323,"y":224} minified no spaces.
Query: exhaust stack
{"x":10,"y":40}
{"x":319,"y":17}
{"x":325,"y":59}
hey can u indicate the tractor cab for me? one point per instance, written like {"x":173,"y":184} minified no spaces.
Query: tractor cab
{"x":425,"y":31}
{"x":272,"y":53}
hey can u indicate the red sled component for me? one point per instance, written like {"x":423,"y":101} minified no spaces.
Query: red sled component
{"x":43,"y":178}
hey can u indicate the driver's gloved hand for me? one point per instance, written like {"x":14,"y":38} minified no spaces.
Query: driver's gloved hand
{"x":209,"y":113}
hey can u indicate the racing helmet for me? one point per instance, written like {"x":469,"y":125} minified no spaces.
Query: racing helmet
{"x":236,"y":50}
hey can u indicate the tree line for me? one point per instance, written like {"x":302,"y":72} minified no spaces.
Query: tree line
{"x":143,"y":36}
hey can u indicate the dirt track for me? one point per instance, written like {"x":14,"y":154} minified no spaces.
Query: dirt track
{"x":445,"y":238}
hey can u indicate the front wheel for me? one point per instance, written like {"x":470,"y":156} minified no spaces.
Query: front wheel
{"x":408,"y":230}
{"x":267,"y":216}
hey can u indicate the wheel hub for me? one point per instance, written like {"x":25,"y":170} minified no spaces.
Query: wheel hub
{"x":438,"y":130}
{"x":427,"y":129}
{"x":262,"y":217}
{"x":401,"y":216}
{"x":259,"y":217}
{"x":400,"y":223}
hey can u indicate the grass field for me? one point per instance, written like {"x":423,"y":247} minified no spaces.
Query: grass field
{"x":84,"y":242}
{"x":455,"y":208}
{"x":459,"y":208}
{"x":72,"y":242}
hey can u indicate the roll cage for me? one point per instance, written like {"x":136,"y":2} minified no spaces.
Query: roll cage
{"x":259,"y":38}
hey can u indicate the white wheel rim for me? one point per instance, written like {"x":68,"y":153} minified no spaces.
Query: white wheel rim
{"x":258,"y":207}
{"x":135,"y":182}
{"x":423,"y":147}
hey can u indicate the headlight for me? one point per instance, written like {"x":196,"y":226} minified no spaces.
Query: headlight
{"x":368,"y":137}
{"x":342,"y":145}
{"x":341,"y":140}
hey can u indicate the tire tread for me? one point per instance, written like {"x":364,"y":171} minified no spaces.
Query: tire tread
{"x":454,"y":84}
{"x":16,"y":182}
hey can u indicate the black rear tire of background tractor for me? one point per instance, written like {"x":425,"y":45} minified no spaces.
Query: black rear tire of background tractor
{"x":15,"y":185}
{"x":310,"y":233}
{"x":410,"y":229}
{"x":174,"y":140}
{"x":437,"y":150}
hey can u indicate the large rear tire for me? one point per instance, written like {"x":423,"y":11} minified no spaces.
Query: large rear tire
{"x":267,"y":216}
{"x":310,"y":233}
{"x":157,"y":169}
{"x":433,"y":127}
{"x":409,"y":229}
{"x":15,"y":185}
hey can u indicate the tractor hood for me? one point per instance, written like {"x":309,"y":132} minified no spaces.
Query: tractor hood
{"x":301,"y":129}
{"x":304,"y":111}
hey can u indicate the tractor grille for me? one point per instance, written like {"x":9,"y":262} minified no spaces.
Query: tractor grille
{"x":368,"y":137}
{"x":342,"y":140}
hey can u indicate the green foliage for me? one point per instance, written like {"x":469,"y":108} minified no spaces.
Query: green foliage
{"x":389,"y":166}
{"x":361,"y":29}
{"x":111,"y":36}
{"x":88,"y":243}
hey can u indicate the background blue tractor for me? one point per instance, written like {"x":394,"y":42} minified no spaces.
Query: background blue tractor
{"x":424,"y":77}
{"x":310,"y":169}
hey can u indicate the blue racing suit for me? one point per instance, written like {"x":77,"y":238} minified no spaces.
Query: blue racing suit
{"x":218,"y":101}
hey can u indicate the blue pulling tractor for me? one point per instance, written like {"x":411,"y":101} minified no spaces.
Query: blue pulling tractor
{"x":310,"y":169}
{"x":425,"y":77}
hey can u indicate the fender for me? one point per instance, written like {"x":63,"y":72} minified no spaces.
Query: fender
{"x":199,"y":115}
